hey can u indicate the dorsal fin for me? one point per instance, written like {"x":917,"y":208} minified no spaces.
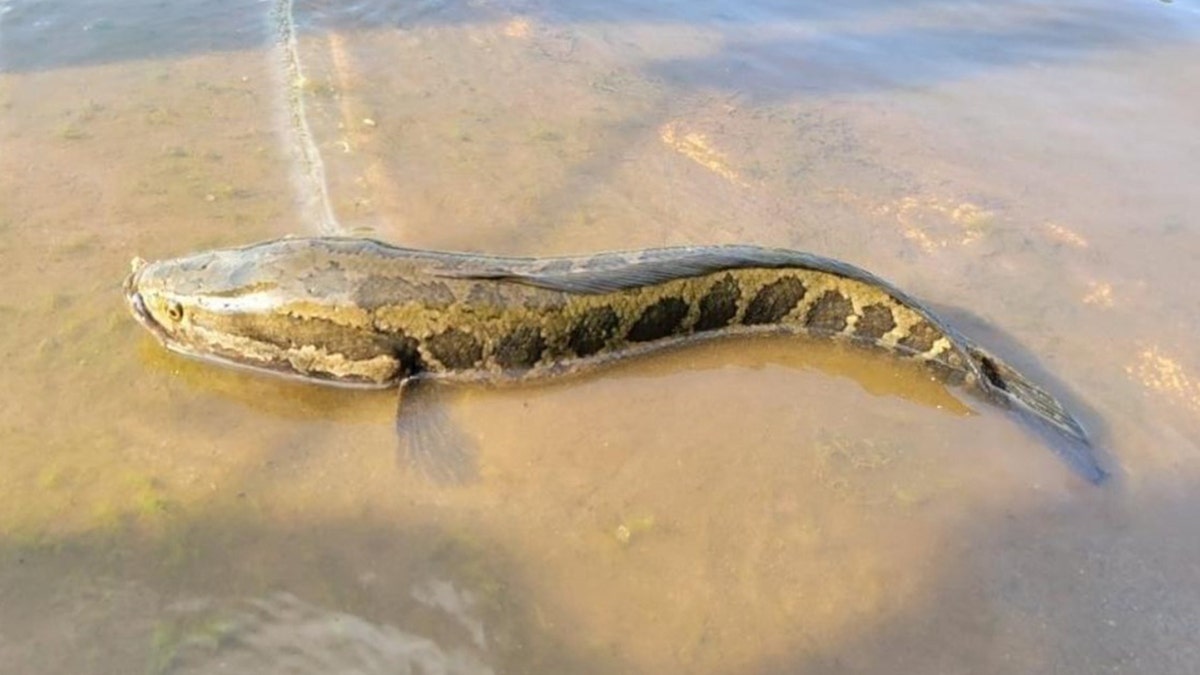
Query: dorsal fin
{"x":662,"y":265}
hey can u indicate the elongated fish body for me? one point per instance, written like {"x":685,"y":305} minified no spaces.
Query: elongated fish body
{"x":358,"y":312}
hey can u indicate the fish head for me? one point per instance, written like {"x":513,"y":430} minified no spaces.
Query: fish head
{"x":265,"y":307}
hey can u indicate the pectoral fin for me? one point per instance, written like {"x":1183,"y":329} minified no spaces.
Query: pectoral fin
{"x":430,"y":441}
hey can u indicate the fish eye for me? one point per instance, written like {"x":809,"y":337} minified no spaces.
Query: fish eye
{"x":175,"y":311}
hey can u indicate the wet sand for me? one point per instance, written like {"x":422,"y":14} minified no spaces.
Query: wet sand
{"x":757,"y":506}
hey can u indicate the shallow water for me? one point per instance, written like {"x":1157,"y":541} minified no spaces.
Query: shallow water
{"x":760,"y":506}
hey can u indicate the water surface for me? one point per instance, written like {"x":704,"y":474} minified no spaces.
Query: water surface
{"x":762,"y":506}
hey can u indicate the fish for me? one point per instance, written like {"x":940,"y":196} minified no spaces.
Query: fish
{"x":357,"y":312}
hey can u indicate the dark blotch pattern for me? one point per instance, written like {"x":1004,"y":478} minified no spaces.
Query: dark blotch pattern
{"x":829,"y":313}
{"x":290,"y":332}
{"x":875,"y":322}
{"x":378,"y":291}
{"x":521,"y":348}
{"x":920,"y":337}
{"x":594,"y":329}
{"x":660,"y":320}
{"x":405,"y":349}
{"x":774,"y":301}
{"x":719,"y":306}
{"x":992,"y":373}
{"x":486,"y":295}
{"x":455,"y":349}
{"x":538,"y":299}
{"x":330,"y":275}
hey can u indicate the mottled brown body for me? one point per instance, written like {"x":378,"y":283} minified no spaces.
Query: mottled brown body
{"x":361,"y":313}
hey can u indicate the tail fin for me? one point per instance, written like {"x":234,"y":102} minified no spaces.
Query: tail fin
{"x":1005,"y":386}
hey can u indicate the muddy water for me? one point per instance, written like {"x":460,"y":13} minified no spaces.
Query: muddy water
{"x":764,"y":506}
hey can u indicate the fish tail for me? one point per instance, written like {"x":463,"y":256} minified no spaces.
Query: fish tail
{"x":1002,"y":384}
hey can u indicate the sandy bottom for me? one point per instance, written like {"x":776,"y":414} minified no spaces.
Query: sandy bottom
{"x":756,"y":506}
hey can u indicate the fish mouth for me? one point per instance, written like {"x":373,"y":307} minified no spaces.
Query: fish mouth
{"x":137,"y":305}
